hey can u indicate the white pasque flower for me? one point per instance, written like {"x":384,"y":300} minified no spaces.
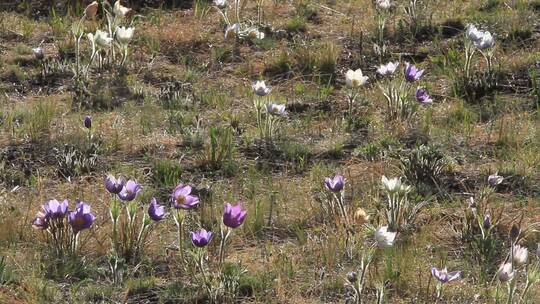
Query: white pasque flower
{"x":473,"y":33}
{"x":384,"y":237}
{"x":486,"y":42}
{"x":520,"y":254}
{"x":100,"y":38}
{"x":119,"y":9}
{"x":221,"y":4}
{"x":394,"y":184}
{"x":276,"y":109}
{"x":506,"y":272}
{"x":384,"y":4}
{"x":123,"y":35}
{"x":388,"y":69}
{"x":232,"y":31}
{"x":260,"y":88}
{"x":254,"y":33}
{"x":355,"y":78}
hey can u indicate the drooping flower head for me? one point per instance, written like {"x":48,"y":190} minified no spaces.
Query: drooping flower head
{"x":444,"y":276}
{"x":91,"y":10}
{"x":486,"y":223}
{"x":182,"y":198}
{"x":388,"y":69}
{"x":120,"y":10}
{"x":55,"y":209}
{"x":124,"y":34}
{"x":38,"y":53}
{"x":520,"y":254}
{"x":260,"y":88}
{"x":130,"y":191}
{"x":221,"y":4}
{"x":506,"y":272}
{"x":355,"y":79}
{"x":234,"y":216}
{"x":87,"y":122}
{"x":156,"y":211}
{"x":495,"y":179}
{"x":423,"y":97}
{"x":385,"y":238}
{"x":276,"y":109}
{"x":335,"y":184}
{"x":114,"y":185}
{"x":201,"y":238}
{"x":82,"y":218}
{"x":412,"y":74}
{"x":40,"y":221}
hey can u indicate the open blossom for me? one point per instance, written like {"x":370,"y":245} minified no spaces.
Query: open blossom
{"x":412,"y":74}
{"x":124,"y":34}
{"x":355,"y":78}
{"x":276,"y":109}
{"x":260,"y":88}
{"x":100,"y":39}
{"x":388,"y":69}
{"x":130,"y":191}
{"x":335,"y":184}
{"x":384,"y":4}
{"x":82,"y":218}
{"x":232,"y":31}
{"x":444,"y":276}
{"x":423,"y":97}
{"x":394,"y":184}
{"x":486,"y":42}
{"x":114,"y":185}
{"x":520,"y":254}
{"x":120,"y":10}
{"x":384,"y":237}
{"x":255,"y":34}
{"x":40,"y":221}
{"x":201,"y":238}
{"x":55,"y":209}
{"x":495,"y":179}
{"x":473,"y":33}
{"x":234,"y":216}
{"x":182,"y":198}
{"x":506,"y":272}
{"x":156,"y":211}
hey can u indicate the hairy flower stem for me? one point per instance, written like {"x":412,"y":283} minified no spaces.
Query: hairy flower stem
{"x":179,"y":220}
{"x":225,"y":232}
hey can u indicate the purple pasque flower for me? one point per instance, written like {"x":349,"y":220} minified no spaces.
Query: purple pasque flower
{"x":335,"y":184}
{"x":201,"y":237}
{"x":41,"y":221}
{"x":55,"y":209}
{"x":82,"y":218}
{"x":423,"y":97}
{"x":114,"y":185}
{"x":387,"y":69}
{"x":412,"y":74}
{"x":156,"y":211}
{"x":276,"y":109}
{"x":130,"y":191}
{"x":182,"y":198}
{"x":88,"y":122}
{"x":444,"y":276}
{"x":234,"y":216}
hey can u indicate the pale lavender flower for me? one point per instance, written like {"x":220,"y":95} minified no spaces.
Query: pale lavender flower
{"x":444,"y":276}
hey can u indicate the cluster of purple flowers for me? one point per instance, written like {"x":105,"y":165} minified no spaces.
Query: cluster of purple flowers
{"x":54,"y":213}
{"x":233,"y":217}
